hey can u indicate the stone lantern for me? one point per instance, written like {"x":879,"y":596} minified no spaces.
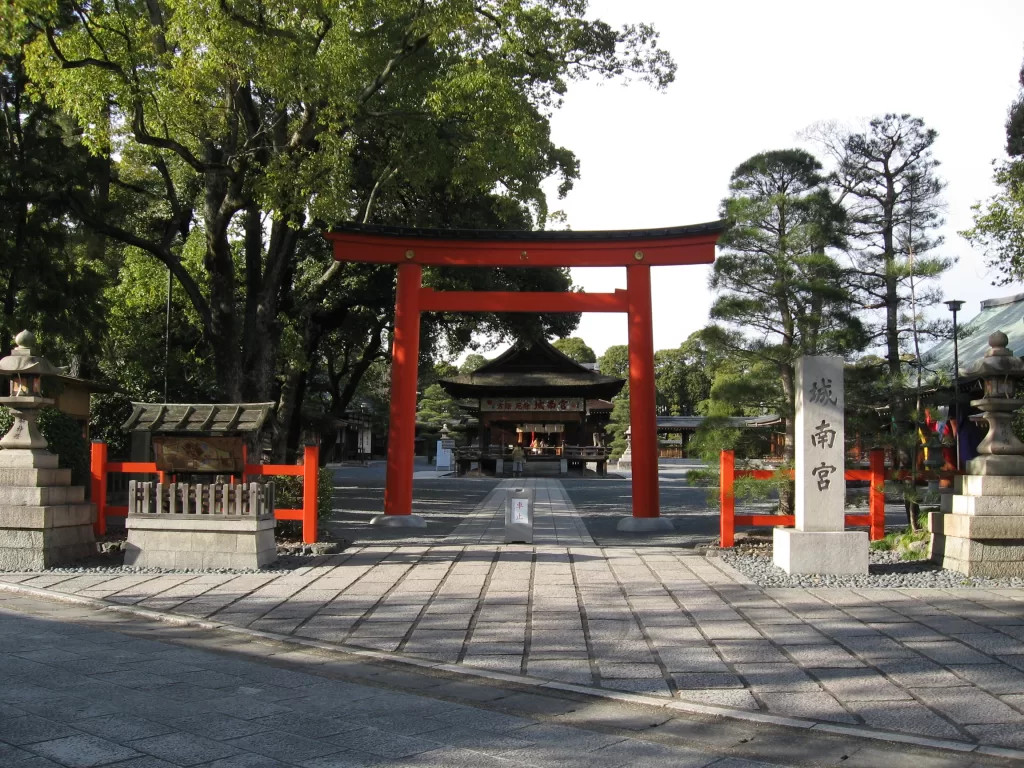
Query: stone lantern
{"x":44,"y":520}
{"x":1000,"y":453}
{"x":979,"y":530}
{"x":26,"y":373}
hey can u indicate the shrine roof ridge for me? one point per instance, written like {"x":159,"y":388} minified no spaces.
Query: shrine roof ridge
{"x":514,"y":235}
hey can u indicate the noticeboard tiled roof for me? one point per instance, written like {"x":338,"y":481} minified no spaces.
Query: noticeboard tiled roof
{"x":198,"y":419}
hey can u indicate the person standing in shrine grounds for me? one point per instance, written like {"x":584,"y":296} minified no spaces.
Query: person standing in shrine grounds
{"x":518,"y":461}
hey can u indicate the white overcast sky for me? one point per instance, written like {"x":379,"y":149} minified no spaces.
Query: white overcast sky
{"x":751,"y":76}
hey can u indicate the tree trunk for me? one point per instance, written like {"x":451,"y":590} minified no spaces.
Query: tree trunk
{"x":786,"y":494}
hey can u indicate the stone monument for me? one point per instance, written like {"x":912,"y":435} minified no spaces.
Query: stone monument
{"x":819,"y":544}
{"x":979,"y":530}
{"x":44,"y":520}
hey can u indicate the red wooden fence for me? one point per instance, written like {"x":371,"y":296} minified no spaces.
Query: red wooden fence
{"x":308,"y":471}
{"x":875,"y":518}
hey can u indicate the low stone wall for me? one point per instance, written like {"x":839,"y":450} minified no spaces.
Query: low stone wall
{"x":201,"y":542}
{"x":200,"y":527}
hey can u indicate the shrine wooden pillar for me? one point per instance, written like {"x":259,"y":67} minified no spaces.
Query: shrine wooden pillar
{"x":642,"y":413}
{"x":405,"y":354}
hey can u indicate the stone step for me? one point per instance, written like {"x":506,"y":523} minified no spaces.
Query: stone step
{"x":38,"y":517}
{"x":29,"y":476}
{"x":989,"y":527}
{"x":982,"y":505}
{"x":988,"y":485}
{"x":15,"y":495}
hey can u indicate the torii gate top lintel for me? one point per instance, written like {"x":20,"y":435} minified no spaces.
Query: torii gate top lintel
{"x":636,"y":249}
{"x":690,"y":244}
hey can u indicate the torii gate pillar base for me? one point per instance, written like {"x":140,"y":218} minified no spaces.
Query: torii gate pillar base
{"x":645,"y":525}
{"x":399,"y":521}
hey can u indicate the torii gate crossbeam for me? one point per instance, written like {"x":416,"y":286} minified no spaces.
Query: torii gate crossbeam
{"x":636,"y":250}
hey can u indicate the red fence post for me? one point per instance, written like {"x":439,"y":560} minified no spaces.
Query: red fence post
{"x":727,"y":498}
{"x":98,"y":491}
{"x":310,"y":498}
{"x":876,"y":494}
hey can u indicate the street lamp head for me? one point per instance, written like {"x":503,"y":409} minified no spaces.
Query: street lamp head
{"x":954,"y":305}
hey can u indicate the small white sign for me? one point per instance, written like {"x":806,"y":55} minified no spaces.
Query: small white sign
{"x":521,"y":511}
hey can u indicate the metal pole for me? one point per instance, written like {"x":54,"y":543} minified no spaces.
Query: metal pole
{"x":167,"y":331}
{"x":956,"y":390}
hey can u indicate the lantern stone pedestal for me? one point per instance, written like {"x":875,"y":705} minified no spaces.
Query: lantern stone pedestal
{"x":44,"y":520}
{"x":979,"y":529}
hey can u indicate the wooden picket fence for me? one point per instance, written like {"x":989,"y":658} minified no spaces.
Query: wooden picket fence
{"x":875,"y":519}
{"x":101,"y":468}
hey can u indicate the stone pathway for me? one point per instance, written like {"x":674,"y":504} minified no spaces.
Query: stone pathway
{"x":945,"y":664}
{"x":556,"y":521}
{"x":80,"y":687}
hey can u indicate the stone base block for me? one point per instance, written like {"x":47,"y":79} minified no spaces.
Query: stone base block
{"x":645,"y":525}
{"x":988,"y":485}
{"x":957,"y":504}
{"x":29,"y":476}
{"x":975,"y":557}
{"x":25,"y":458}
{"x":199,"y":542}
{"x":837,"y":553}
{"x":996,"y":465}
{"x":1010,"y":527}
{"x":30,"y":549}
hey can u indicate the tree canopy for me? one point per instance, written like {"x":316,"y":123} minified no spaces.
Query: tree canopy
{"x":230,"y":135}
{"x":576,"y":348}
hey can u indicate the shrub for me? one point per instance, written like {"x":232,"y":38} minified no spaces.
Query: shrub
{"x":288,"y":495}
{"x":64,"y":435}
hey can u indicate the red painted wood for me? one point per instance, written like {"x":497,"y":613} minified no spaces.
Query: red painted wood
{"x":269,"y":470}
{"x":98,"y":490}
{"x":405,"y":353}
{"x":727,"y":498}
{"x":133,"y":467}
{"x":876,"y":494}
{"x":642,"y":414}
{"x":527,"y":301}
{"x":769,"y":521}
{"x":310,"y":499}
{"x":378,"y":249}
{"x":288,"y":514}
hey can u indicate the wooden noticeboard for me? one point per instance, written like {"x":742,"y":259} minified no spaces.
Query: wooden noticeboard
{"x":213,"y":455}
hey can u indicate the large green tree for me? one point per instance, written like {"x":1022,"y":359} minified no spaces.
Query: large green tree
{"x":780,"y":290}
{"x":999,"y":222}
{"x":253,"y":127}
{"x":576,"y":348}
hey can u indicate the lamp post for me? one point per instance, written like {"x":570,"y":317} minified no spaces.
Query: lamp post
{"x":955,"y":306}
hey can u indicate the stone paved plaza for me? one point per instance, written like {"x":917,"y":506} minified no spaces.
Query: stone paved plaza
{"x":666,"y":623}
{"x":84,"y":687}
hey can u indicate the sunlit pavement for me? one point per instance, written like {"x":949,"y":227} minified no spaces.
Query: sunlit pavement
{"x":85,"y":686}
{"x":665,"y":623}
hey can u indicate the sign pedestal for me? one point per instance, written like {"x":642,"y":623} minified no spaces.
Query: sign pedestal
{"x":818,"y":544}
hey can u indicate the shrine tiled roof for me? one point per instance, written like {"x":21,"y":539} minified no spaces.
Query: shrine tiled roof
{"x":533,"y":368}
{"x":198,"y":419}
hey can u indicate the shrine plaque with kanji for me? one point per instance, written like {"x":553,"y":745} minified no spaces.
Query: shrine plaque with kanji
{"x":819,"y":473}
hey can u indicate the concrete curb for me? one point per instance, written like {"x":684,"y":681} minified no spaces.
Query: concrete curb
{"x":525,"y":680}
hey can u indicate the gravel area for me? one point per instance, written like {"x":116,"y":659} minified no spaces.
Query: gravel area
{"x":886,"y":569}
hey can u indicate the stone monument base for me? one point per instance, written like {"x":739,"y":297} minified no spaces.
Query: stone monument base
{"x":839,"y":553}
{"x":200,"y":542}
{"x":645,"y":525}
{"x":399,"y":521}
{"x":44,"y":520}
{"x":979,"y":545}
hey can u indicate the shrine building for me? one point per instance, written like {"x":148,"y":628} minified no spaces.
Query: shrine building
{"x":537,"y":398}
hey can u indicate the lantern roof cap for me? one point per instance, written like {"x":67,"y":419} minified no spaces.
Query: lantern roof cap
{"x":998,"y":361}
{"x":21,"y":361}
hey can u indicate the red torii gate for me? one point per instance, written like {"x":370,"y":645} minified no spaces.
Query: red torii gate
{"x":636,"y":250}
